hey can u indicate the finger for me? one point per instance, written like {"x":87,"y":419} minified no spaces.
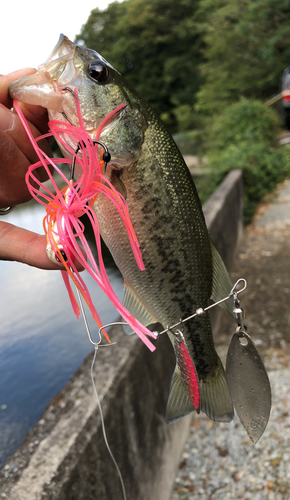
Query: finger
{"x":37,"y":115}
{"x":13,"y":167}
{"x":6,"y":80}
{"x":11,"y":124}
{"x":24,"y":246}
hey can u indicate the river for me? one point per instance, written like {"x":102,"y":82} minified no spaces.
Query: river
{"x":41,"y":342}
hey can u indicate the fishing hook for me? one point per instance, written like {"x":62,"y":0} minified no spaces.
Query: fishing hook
{"x":106,"y":156}
{"x":66,"y":117}
{"x":62,"y":112}
{"x":71,"y":91}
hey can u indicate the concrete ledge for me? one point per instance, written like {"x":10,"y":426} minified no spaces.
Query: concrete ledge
{"x":223,"y":213}
{"x":64,"y":456}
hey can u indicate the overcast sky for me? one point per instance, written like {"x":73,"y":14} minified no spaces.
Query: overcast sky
{"x":30,"y":28}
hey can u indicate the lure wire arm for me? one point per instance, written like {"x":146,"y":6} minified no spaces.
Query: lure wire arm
{"x":95,"y":344}
{"x":199,"y":312}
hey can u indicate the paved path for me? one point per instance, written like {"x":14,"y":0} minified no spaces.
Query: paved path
{"x":219,"y":460}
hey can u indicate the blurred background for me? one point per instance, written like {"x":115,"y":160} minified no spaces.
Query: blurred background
{"x":208,"y":68}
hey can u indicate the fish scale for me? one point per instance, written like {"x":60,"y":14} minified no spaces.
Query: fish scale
{"x":182,"y":268}
{"x":184,"y":285}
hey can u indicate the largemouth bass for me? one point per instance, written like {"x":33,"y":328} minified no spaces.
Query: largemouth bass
{"x":183,"y":270}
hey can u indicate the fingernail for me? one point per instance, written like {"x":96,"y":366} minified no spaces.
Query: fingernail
{"x":7,"y":118}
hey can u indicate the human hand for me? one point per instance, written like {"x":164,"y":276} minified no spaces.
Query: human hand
{"x":16,"y":155}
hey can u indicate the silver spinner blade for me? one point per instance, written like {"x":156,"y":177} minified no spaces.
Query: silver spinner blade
{"x":248,"y":384}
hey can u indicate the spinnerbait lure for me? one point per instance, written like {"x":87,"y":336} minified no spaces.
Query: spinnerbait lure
{"x":62,"y":223}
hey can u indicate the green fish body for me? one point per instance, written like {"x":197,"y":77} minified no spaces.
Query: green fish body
{"x":183,"y":270}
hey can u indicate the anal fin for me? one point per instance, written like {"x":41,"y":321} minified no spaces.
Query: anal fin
{"x":178,"y":402}
{"x":133,"y":304}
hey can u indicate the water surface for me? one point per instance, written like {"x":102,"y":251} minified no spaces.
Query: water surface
{"x":41,"y":341}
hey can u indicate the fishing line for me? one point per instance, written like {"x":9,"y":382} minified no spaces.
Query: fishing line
{"x":96,"y":347}
{"x":103,"y":427}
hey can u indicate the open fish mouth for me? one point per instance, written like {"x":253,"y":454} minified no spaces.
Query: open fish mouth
{"x":74,"y":72}
{"x":43,"y":87}
{"x":54,"y":83}
{"x":64,"y":47}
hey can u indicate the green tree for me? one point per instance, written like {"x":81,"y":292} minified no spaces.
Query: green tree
{"x":244,"y":136}
{"x":247,"y":47}
{"x":156,"y":47}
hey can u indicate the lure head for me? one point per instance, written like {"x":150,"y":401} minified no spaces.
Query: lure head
{"x":100,"y":90}
{"x":54,"y":247}
{"x":53,"y":255}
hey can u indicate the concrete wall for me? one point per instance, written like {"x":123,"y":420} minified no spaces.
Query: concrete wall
{"x":64,"y":456}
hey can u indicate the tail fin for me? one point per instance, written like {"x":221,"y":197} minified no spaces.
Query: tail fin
{"x":215,"y":399}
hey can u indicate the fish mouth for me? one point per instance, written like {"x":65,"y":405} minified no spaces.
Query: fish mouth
{"x":64,"y":47}
{"x":42,"y":88}
{"x":53,"y":85}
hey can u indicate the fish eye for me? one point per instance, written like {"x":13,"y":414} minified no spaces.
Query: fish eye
{"x":98,"y":71}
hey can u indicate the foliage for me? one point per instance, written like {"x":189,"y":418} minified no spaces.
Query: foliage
{"x":247,"y":48}
{"x":244,"y":137}
{"x":194,"y":56}
{"x":190,"y":141}
{"x":156,"y":47}
{"x":245,"y":120}
{"x":198,"y":60}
